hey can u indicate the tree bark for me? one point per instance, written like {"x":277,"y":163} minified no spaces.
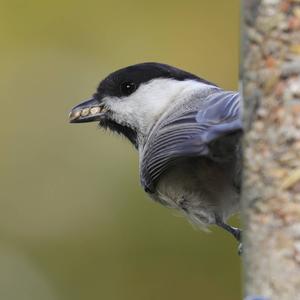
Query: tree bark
{"x":271,"y":192}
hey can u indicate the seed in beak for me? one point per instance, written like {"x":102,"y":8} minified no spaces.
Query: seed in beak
{"x":85,"y":112}
{"x":76,"y":114}
{"x":94,"y":110}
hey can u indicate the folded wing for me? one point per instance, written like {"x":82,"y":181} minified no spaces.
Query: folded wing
{"x":203,"y":130}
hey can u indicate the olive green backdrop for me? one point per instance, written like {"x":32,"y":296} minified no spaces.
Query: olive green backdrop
{"x":74,"y":222}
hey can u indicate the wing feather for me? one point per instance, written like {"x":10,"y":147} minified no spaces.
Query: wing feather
{"x":190,"y":134}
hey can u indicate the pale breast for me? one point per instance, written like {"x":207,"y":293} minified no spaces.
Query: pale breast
{"x":200,"y":189}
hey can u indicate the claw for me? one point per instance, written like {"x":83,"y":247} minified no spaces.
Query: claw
{"x":240,"y":249}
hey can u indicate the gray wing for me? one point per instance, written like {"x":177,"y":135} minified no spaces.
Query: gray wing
{"x":192,"y":133}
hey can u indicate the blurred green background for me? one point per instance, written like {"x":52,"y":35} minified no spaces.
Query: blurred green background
{"x":74,"y":222}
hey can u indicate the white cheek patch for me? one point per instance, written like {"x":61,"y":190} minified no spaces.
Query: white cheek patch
{"x":122,"y":112}
{"x":146,"y":105}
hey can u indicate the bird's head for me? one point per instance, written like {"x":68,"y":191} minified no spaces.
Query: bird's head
{"x":131,"y":100}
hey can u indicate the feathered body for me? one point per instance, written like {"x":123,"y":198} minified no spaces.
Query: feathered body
{"x":186,"y":130}
{"x":191,"y":159}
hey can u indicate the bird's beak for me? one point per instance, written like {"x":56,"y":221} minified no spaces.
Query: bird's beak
{"x":87,"y":111}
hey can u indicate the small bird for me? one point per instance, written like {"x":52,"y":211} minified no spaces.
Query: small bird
{"x":187,"y":131}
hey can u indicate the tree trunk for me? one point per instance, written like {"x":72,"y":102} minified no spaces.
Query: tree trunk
{"x":271,"y":193}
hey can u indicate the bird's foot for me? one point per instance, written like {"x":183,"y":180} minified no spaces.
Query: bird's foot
{"x":240,"y":249}
{"x":236,"y":232}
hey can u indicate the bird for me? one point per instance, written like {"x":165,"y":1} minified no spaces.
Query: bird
{"x":187,"y":132}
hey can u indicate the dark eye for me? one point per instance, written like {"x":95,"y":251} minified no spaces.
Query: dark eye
{"x":128,"y":88}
